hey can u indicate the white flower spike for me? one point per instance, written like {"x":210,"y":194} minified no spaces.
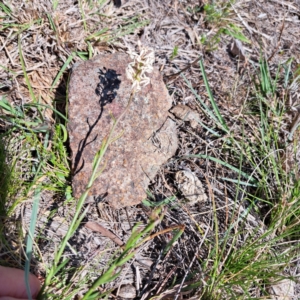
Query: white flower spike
{"x":142,"y":63}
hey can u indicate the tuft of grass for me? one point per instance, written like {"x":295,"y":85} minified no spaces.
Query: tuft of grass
{"x":218,"y":19}
{"x":244,"y":260}
{"x":174,"y":53}
{"x":132,"y":244}
{"x":35,"y":155}
{"x":55,"y":4}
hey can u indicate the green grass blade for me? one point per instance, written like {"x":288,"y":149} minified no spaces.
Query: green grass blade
{"x":90,"y":50}
{"x":52,"y":25}
{"x":8,"y":70}
{"x":165,"y":201}
{"x":62,"y":70}
{"x":5,"y":8}
{"x":4,"y":104}
{"x":61,"y":265}
{"x":65,"y":133}
{"x":225,"y":164}
{"x":30,"y":238}
{"x":235,"y":32}
{"x":47,"y":106}
{"x":209,"y":129}
{"x":24,"y":71}
{"x":96,"y":34}
{"x":212,"y":100}
{"x":82,"y":15}
{"x":287,"y":72}
{"x":128,"y":29}
{"x":55,"y":4}
{"x":98,"y":282}
{"x":83,"y":55}
{"x":175,"y":237}
{"x":205,"y":107}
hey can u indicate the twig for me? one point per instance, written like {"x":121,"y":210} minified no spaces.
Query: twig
{"x":184,"y":69}
{"x":277,"y":46}
{"x":167,"y":278}
{"x":294,"y":126}
{"x":128,"y":218}
{"x":171,"y":228}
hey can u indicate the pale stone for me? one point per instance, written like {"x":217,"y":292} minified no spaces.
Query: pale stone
{"x":190,"y":186}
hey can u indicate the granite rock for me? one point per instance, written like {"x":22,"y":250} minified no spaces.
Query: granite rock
{"x":98,"y":92}
{"x":190,"y":186}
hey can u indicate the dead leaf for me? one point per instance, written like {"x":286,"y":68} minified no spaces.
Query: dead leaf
{"x":236,"y":49}
{"x":105,"y":232}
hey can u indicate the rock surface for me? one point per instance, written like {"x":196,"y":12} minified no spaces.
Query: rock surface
{"x":283,"y":290}
{"x":98,"y":91}
{"x":127,"y":292}
{"x":191,"y":187}
{"x":184,"y":113}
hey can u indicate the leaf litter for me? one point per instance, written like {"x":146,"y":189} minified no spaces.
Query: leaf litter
{"x":49,"y":37}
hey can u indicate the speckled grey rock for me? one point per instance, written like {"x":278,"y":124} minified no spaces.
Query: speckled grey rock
{"x":127,"y":292}
{"x":98,"y":90}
